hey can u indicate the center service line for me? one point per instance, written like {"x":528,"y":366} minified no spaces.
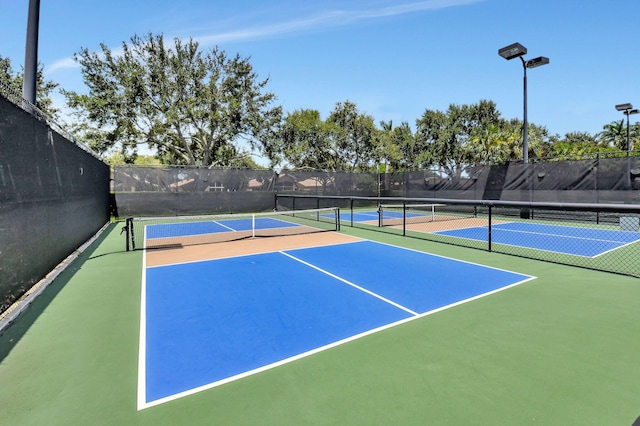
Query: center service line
{"x":224,"y":226}
{"x":352,"y":284}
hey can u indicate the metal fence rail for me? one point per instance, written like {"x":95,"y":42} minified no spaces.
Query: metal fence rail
{"x":603,"y":237}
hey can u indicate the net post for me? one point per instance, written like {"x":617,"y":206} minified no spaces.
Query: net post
{"x":253,"y":225}
{"x":489,"y":231}
{"x":352,"y":212}
{"x":126,"y":233}
{"x":380,"y":215}
{"x":131,"y":238}
{"x":337,"y":218}
{"x":404,"y":218}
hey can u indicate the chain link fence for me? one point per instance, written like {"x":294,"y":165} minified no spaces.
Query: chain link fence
{"x":601,"y":236}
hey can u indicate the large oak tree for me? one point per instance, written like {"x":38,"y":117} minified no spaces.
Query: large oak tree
{"x":192,"y":107}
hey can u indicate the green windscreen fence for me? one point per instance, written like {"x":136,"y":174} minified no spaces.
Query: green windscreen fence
{"x":153,"y":191}
{"x":142,"y":191}
{"x":54,"y":195}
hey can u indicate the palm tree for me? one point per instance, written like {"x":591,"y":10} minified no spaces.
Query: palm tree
{"x":487,"y":143}
{"x":614,"y":134}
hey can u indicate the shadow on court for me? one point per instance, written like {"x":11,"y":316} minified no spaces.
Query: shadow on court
{"x":15,"y":331}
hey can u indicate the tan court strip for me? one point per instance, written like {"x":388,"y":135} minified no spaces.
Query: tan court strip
{"x":158,"y":257}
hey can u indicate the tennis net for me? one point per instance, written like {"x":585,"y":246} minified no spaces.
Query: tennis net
{"x":179,"y":231}
{"x":404,"y":214}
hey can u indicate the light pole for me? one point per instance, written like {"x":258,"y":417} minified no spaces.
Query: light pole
{"x":516,"y":50}
{"x":30,"y":77}
{"x":627,"y":109}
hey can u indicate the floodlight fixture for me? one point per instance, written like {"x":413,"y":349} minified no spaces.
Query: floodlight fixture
{"x":627,"y":109}
{"x":537,"y":62}
{"x":512,"y":51}
{"x":516,"y":50}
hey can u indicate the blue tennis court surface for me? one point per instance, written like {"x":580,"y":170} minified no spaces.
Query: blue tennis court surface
{"x":358,"y":216}
{"x":212,"y":227}
{"x":207,"y":323}
{"x":367,"y":216}
{"x":588,"y":242}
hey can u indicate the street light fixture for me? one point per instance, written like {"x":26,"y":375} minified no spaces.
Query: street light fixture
{"x":512,"y":51}
{"x":627,"y":110}
{"x":516,"y":50}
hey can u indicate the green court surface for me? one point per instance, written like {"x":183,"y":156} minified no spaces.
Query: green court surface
{"x":562,"y":349}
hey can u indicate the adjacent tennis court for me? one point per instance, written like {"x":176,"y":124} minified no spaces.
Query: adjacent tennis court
{"x":552,"y":238}
{"x":562,"y":239}
{"x":374,"y":216}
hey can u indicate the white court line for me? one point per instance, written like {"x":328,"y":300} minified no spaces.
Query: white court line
{"x":497,"y":229}
{"x":384,"y":299}
{"x":142,"y":404}
{"x":547,"y":234}
{"x":142,"y":343}
{"x":224,"y":226}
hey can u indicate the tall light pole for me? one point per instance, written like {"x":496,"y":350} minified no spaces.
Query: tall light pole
{"x":627,"y":109}
{"x":516,"y":50}
{"x":30,"y":77}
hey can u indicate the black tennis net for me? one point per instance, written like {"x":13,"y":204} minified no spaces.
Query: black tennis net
{"x":178,"y":231}
{"x":407,"y":213}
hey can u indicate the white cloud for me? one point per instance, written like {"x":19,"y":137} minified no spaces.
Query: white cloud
{"x":327,"y":19}
{"x":61,"y":64}
{"x":330,"y":19}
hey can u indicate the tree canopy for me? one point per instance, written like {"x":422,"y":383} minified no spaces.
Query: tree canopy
{"x":192,"y":107}
{"x":346,"y":140}
{"x":208,"y":109}
{"x":44,"y":88}
{"x":450,"y":140}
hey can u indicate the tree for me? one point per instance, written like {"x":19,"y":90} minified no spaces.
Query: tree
{"x":307,"y":142}
{"x":448,"y":139}
{"x":634,"y":132}
{"x":354,"y":134}
{"x":193,"y":108}
{"x":488,"y":143}
{"x":540,"y":142}
{"x":345,"y":141}
{"x":44,"y":88}
{"x":574,"y":146}
{"x":391,"y":144}
{"x":614,"y":134}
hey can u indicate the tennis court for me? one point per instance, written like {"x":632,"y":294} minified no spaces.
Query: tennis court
{"x":373,"y":216}
{"x":208,"y":322}
{"x":553,"y":238}
{"x":296,"y":325}
{"x":561,"y":239}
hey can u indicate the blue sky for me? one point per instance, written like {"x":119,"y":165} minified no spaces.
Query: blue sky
{"x":394,"y":59}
